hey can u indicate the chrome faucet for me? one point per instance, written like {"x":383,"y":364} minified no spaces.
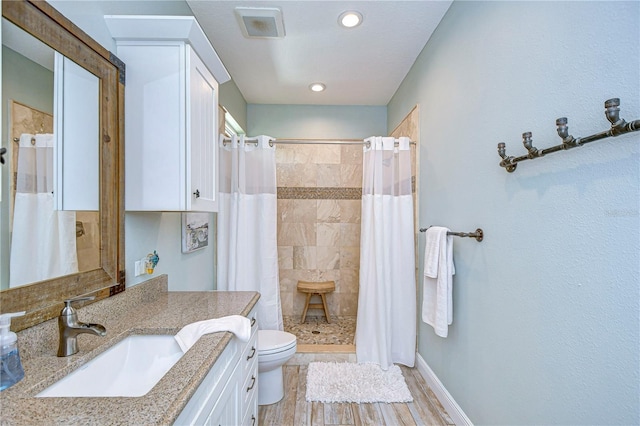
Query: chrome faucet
{"x":70,"y":327}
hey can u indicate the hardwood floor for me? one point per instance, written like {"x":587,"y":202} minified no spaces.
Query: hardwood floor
{"x":293,"y":409}
{"x":321,"y":341}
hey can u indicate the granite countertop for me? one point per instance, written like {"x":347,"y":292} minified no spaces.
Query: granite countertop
{"x":164,"y":313}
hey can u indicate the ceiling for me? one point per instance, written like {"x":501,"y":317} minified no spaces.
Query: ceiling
{"x":359,"y":66}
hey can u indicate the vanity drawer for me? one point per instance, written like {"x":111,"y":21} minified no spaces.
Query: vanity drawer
{"x":250,"y":416}
{"x":253,"y":316}
{"x":249,"y":355}
{"x":250,"y":352}
{"x":249,"y":389}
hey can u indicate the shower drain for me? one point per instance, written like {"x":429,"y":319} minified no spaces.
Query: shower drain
{"x":315,"y":332}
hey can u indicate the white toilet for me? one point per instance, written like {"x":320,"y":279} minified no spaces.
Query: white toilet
{"x":275,"y":347}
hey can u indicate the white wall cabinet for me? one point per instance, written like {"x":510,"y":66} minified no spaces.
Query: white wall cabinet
{"x":171,"y":113}
{"x":229,"y":393}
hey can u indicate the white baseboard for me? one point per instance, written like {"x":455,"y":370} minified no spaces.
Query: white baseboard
{"x":455,"y":412}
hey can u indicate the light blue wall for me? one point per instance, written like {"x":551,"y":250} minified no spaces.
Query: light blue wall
{"x":231,"y":98}
{"x":24,"y":81}
{"x":546,"y":308}
{"x":145,"y":232}
{"x":316,"y":121}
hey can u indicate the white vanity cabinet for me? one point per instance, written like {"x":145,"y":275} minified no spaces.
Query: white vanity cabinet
{"x":229,"y":393}
{"x":171,"y":113}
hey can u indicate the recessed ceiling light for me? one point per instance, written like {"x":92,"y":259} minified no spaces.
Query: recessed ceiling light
{"x":350,"y":19}
{"x":317,"y":87}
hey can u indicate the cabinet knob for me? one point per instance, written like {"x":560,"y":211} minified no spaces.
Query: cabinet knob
{"x":197,"y":193}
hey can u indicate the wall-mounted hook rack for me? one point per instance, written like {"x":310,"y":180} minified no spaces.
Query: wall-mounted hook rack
{"x":618,"y":127}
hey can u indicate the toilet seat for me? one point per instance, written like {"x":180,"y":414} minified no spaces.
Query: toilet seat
{"x":275,"y":341}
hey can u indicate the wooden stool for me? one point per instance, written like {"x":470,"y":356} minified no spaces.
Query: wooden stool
{"x":320,"y":289}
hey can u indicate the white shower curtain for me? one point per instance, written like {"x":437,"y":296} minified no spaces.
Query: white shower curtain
{"x":386,"y":321}
{"x":247,"y":225}
{"x":43,"y":240}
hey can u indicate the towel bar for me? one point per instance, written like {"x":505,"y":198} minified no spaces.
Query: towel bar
{"x":478,"y":235}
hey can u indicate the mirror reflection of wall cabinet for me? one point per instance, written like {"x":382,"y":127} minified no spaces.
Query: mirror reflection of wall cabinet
{"x":76,"y":162}
{"x":171,"y":108}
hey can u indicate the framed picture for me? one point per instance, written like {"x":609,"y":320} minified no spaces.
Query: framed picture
{"x":195,"y":231}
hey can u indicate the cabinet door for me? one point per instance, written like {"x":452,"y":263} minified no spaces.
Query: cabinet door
{"x":202,"y":116}
{"x":155,"y":108}
{"x":225,"y":411}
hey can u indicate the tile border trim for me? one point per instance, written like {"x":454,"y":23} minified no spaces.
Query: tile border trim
{"x":318,"y":193}
{"x":325,"y":193}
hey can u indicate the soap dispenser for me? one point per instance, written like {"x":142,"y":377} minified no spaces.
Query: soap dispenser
{"x":11,"y":371}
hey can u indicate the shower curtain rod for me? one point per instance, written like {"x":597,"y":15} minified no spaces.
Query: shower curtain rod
{"x":313,"y":141}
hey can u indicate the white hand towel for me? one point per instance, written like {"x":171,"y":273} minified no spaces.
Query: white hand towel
{"x":237,"y":324}
{"x":437,"y":291}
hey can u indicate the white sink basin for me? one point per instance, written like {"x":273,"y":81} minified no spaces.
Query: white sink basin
{"x":129,"y":368}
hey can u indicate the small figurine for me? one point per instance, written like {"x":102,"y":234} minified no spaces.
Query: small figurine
{"x":152,"y":262}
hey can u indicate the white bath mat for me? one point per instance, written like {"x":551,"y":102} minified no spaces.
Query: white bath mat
{"x":361,"y":383}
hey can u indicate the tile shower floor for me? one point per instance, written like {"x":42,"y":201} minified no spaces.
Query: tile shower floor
{"x":316,"y":331}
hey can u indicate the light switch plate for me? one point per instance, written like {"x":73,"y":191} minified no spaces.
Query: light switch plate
{"x":139,"y":269}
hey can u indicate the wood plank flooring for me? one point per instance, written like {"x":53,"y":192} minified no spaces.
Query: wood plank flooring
{"x":293,"y":409}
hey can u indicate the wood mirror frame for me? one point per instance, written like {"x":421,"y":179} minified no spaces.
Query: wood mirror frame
{"x":44,"y":300}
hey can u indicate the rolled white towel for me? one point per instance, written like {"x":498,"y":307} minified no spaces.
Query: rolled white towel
{"x":237,"y":324}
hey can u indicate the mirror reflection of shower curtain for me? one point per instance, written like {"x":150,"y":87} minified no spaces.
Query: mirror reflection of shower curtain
{"x":386,"y":319}
{"x":247,"y":225}
{"x":43,"y":240}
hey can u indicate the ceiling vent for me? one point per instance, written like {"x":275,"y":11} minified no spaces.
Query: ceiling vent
{"x":260,"y":22}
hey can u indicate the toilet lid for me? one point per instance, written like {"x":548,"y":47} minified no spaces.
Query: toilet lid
{"x":274,"y":340}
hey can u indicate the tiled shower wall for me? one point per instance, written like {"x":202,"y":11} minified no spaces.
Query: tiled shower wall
{"x":319,"y":196}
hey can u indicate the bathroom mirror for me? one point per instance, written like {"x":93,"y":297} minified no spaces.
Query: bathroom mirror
{"x":43,"y":300}
{"x":49,"y":215}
